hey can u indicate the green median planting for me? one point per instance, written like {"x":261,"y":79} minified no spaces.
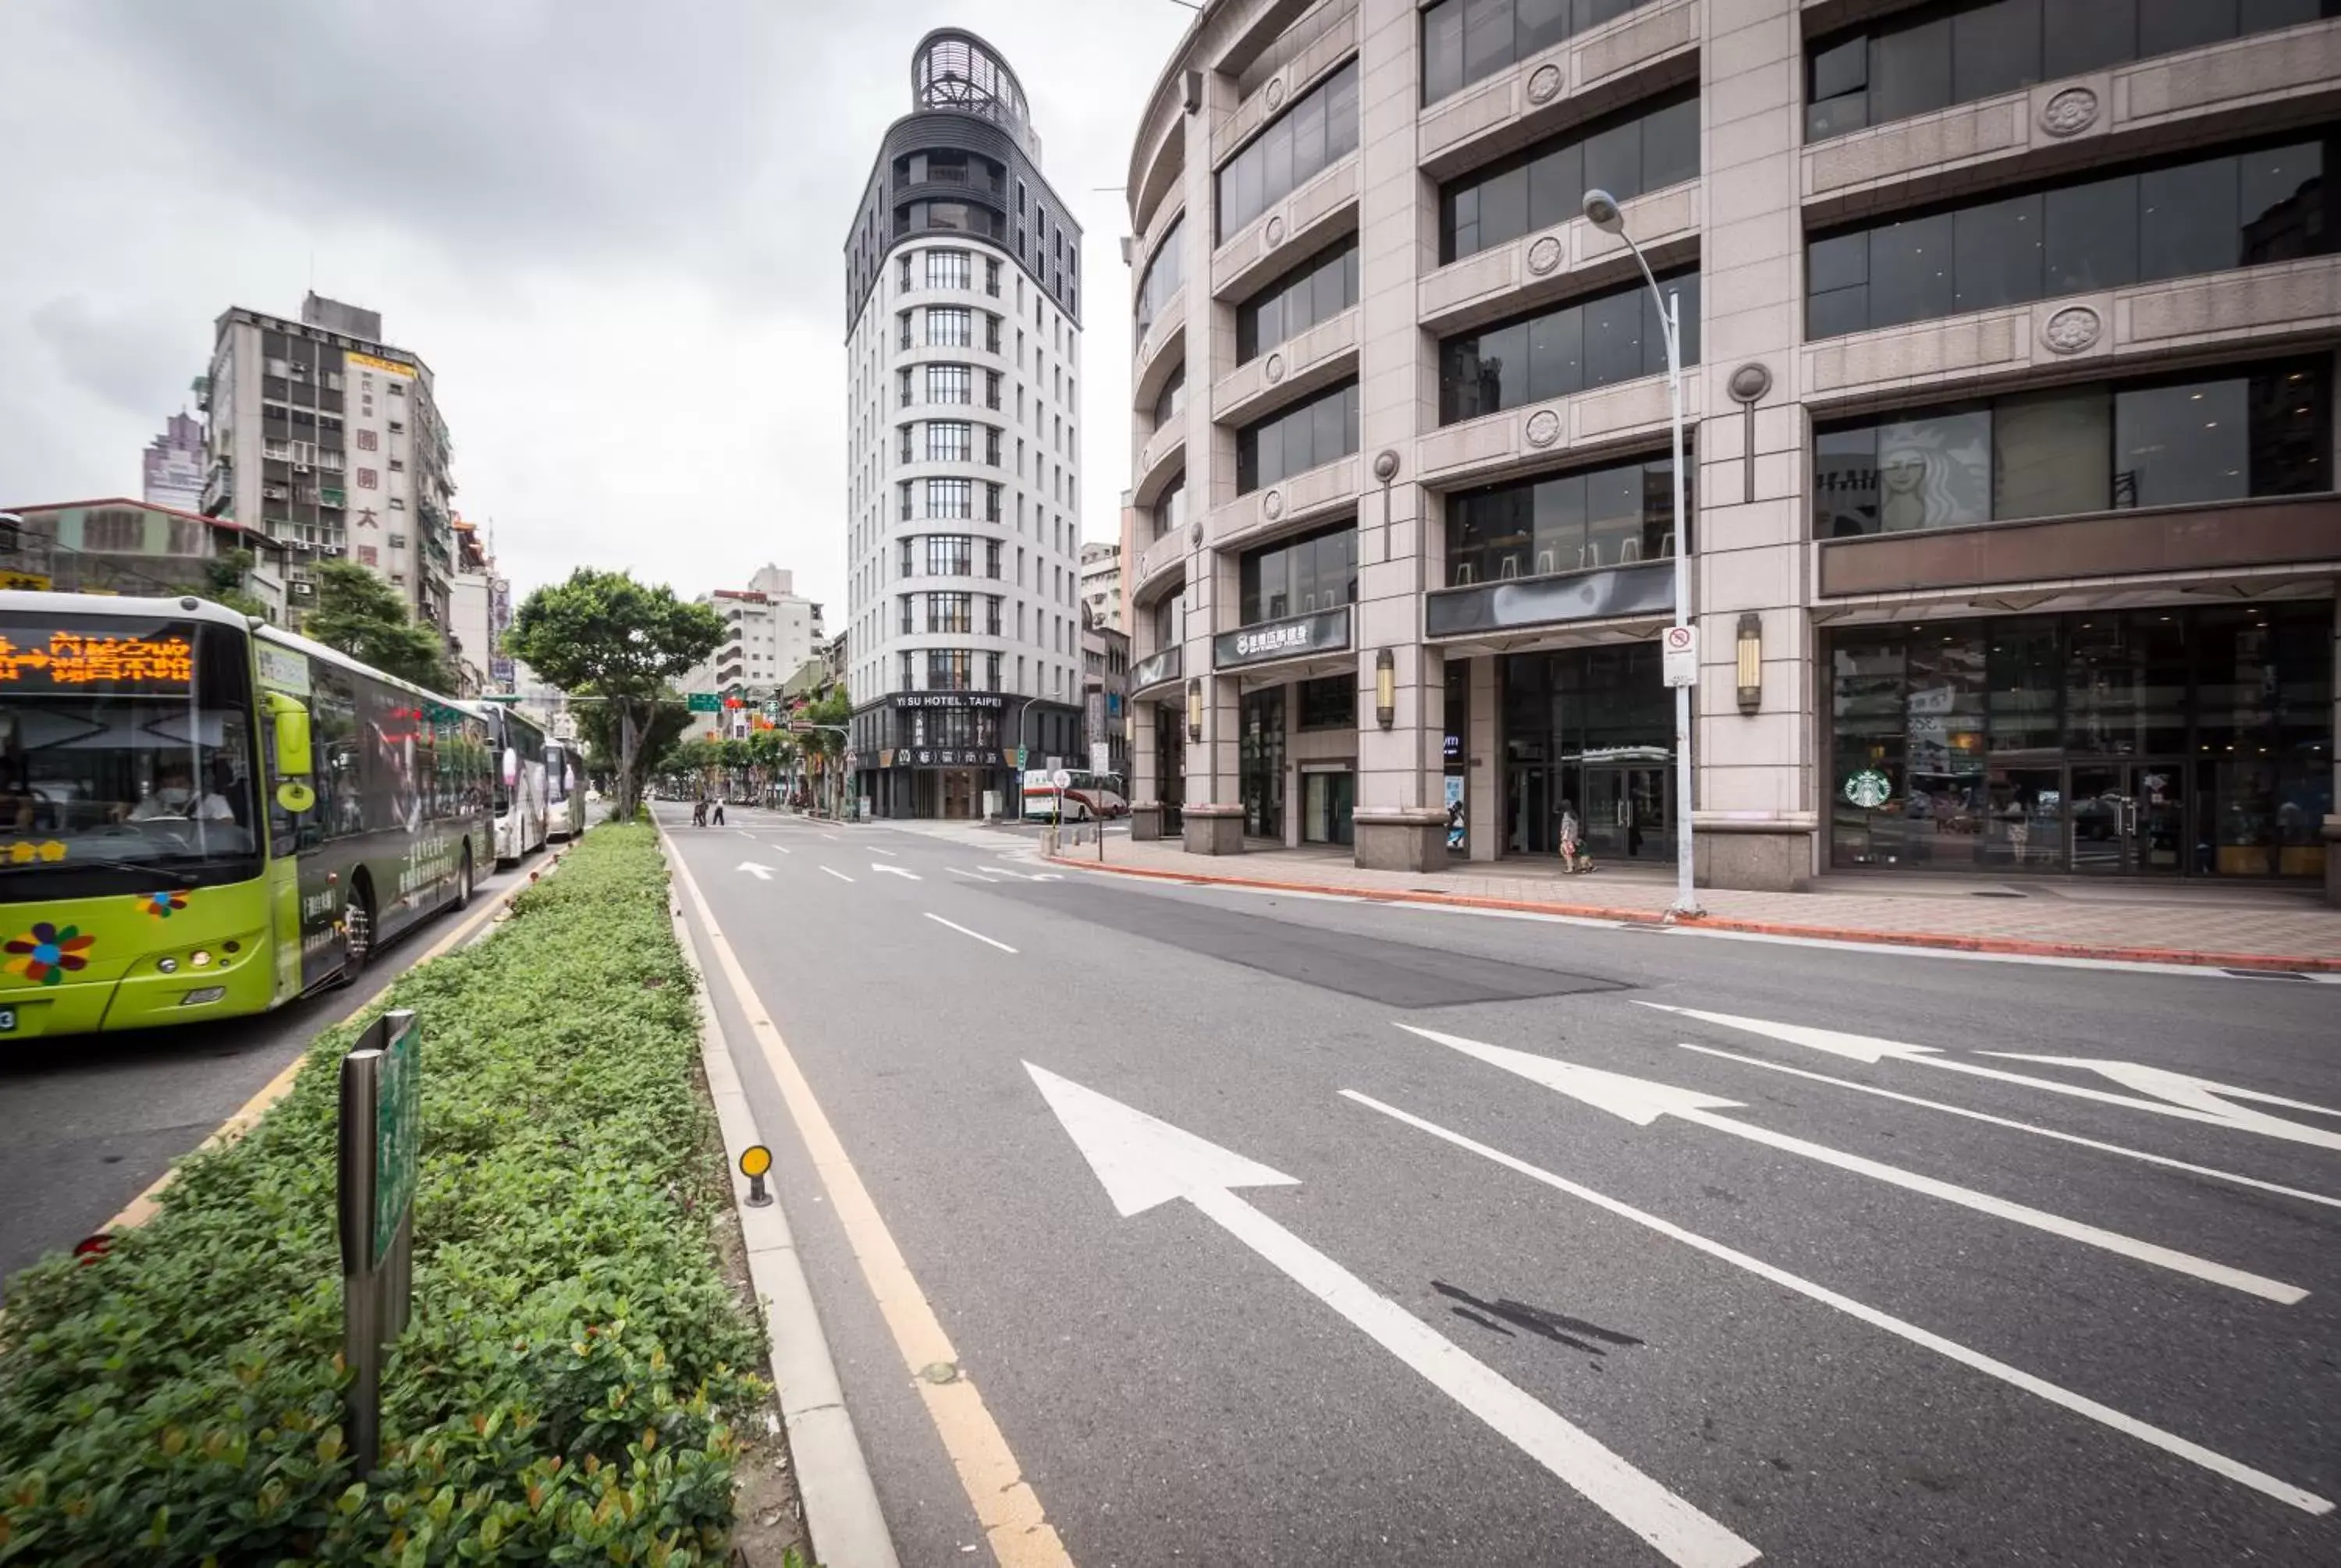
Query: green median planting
{"x":569,"y":1388}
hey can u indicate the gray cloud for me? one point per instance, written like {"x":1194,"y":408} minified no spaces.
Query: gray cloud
{"x":613,"y":230}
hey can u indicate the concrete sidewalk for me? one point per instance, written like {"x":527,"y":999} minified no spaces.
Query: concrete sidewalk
{"x":2219,"y":927}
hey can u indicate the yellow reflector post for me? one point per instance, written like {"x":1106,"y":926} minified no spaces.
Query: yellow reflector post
{"x":755,"y":1160}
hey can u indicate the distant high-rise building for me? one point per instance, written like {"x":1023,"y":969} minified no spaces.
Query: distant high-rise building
{"x":479,"y":613}
{"x":1101,"y":583}
{"x":327,"y":439}
{"x":963,"y":343}
{"x":174,"y":464}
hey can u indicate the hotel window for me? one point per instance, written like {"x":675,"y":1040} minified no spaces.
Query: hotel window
{"x":1572,"y":348}
{"x":1297,"y":439}
{"x":2192,"y":440}
{"x":950,"y":270}
{"x":950,"y":670}
{"x":949,"y":555}
{"x":1318,"y":130}
{"x":949,"y":440}
{"x":954,"y":612}
{"x":945,"y":385}
{"x":1318,"y":290}
{"x":1645,"y":147}
{"x":952,"y":327}
{"x":2174,"y":219}
{"x":950,"y":497}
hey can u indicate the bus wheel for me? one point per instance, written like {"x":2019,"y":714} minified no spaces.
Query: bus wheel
{"x":357,"y":931}
{"x":464,"y":880}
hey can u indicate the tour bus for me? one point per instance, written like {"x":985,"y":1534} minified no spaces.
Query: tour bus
{"x":201,"y":814}
{"x":1088,"y":798}
{"x":564,"y":789}
{"x":518,"y":742}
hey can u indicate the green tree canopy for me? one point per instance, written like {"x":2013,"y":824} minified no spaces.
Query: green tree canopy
{"x":364,"y":616}
{"x":223,"y":584}
{"x":602,"y":634}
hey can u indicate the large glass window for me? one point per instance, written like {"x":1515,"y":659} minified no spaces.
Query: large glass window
{"x":1172,"y":401}
{"x":1298,"y":438}
{"x":1571,"y":348}
{"x":951,"y":498}
{"x":1330,"y":703}
{"x":1620,"y":515}
{"x":950,"y":270}
{"x":950,"y":327}
{"x":2207,"y":214}
{"x":949,"y":555}
{"x":949,"y":440}
{"x":1300,"y":576}
{"x":1320,"y":128}
{"x":946,"y":383}
{"x":1646,"y":146}
{"x":950,"y":669}
{"x":2160,"y":740}
{"x":1464,"y":40}
{"x":1170,"y":510}
{"x":2165,"y":441}
{"x":951,"y":612}
{"x":1318,"y":290}
{"x":1165,"y":270}
{"x":1933,"y":56}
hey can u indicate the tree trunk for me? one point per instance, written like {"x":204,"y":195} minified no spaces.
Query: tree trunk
{"x":627,"y":796}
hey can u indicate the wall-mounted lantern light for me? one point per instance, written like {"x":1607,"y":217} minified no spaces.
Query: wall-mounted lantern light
{"x":1751,"y":662}
{"x":1385,"y":688}
{"x":1195,"y":709}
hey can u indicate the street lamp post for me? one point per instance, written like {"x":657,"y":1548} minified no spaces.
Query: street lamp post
{"x":1021,"y":746}
{"x":1602,"y":212}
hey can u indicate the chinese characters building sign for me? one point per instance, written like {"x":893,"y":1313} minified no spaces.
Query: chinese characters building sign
{"x":75,"y":659}
{"x":1324,"y":631}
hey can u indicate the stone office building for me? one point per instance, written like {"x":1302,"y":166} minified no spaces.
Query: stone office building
{"x":2009,"y":330}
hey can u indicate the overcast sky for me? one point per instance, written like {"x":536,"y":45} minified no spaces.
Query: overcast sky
{"x":612,"y":229}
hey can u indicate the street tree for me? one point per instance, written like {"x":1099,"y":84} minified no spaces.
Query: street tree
{"x":602,"y":634}
{"x":364,"y":616}
{"x":224,"y":580}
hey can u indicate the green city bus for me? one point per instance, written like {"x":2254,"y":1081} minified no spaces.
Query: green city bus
{"x":201,"y":815}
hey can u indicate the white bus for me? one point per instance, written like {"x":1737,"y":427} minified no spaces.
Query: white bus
{"x":520,"y":803}
{"x":564,"y":789}
{"x":1090,"y":797}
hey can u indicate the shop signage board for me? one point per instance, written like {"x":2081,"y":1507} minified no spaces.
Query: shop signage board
{"x":1681,"y":655}
{"x":1101,"y":757}
{"x":949,"y":699}
{"x":1869,"y":789}
{"x":1327,"y":631}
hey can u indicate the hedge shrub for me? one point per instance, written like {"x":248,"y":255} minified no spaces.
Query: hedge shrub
{"x":561,"y":1395}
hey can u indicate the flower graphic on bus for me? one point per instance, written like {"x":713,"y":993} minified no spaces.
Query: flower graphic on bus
{"x":160,"y":905}
{"x":45,"y":953}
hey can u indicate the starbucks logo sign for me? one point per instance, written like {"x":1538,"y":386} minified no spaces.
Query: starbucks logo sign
{"x":1869,"y":789}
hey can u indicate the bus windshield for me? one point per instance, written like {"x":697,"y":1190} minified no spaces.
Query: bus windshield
{"x":125,"y":754}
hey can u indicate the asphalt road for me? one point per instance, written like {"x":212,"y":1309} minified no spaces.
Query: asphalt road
{"x":88,"y":1122}
{"x":1800,"y":1319}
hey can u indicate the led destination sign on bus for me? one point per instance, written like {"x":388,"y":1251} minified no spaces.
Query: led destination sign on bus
{"x":75,"y":659}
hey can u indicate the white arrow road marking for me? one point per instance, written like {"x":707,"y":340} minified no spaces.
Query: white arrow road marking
{"x":974,"y":875}
{"x":896,"y":871}
{"x":1642,"y":1102}
{"x":763,"y":873}
{"x":1143,"y":1162}
{"x":2080,"y":1404}
{"x":836,"y":873}
{"x":2163,"y":1160}
{"x":2187,"y":1099}
{"x":963,"y":931}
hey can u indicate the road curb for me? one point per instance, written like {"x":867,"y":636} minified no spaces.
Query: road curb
{"x":843,"y":1516}
{"x":2011,"y":947}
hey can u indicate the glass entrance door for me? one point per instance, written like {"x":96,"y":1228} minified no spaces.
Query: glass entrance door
{"x":1624,"y":811}
{"x":2128,"y":818}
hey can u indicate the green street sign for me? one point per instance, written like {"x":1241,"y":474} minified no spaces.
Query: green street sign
{"x":705,"y":703}
{"x":397,"y":1134}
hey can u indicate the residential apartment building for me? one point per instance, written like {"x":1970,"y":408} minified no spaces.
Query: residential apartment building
{"x":1102,"y":594}
{"x":329,"y":440}
{"x":963,"y":343}
{"x":479,"y":613}
{"x":770,"y":632}
{"x":2009,"y":332}
{"x":172,"y":467}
